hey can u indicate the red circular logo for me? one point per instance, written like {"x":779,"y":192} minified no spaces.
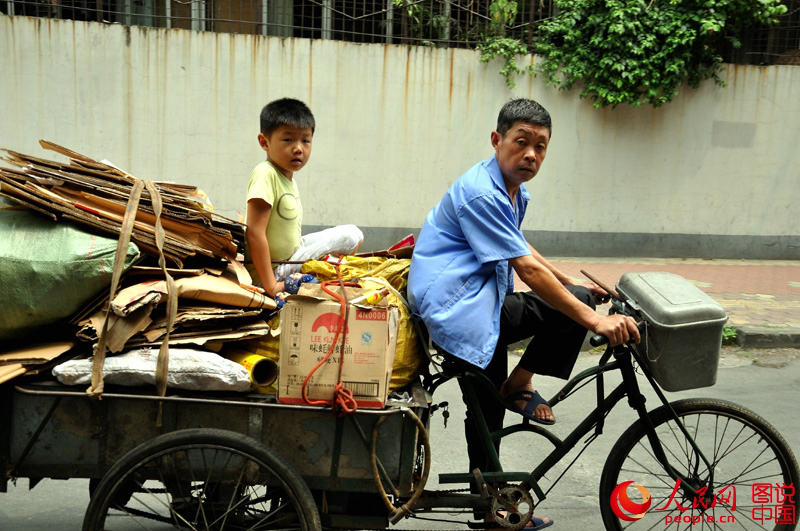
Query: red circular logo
{"x":625,"y":508}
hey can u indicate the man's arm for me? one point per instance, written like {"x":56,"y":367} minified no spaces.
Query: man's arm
{"x":540,"y":278}
{"x":561,"y":277}
{"x":599,"y":293}
{"x":258,"y":212}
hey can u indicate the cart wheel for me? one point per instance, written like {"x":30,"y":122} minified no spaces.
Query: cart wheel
{"x":202,"y":479}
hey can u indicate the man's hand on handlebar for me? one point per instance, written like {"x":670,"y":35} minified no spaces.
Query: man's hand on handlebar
{"x":619,"y":329}
{"x":601,"y":296}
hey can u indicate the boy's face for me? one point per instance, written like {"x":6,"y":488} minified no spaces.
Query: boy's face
{"x":288,"y":147}
{"x":520,"y":152}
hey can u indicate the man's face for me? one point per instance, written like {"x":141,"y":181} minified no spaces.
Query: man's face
{"x":520,"y":152}
{"x":288,"y":147}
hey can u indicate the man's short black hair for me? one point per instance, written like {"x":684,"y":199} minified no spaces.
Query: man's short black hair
{"x":285,"y":111}
{"x":522,"y":110}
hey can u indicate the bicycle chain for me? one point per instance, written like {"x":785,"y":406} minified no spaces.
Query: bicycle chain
{"x":447,"y":491}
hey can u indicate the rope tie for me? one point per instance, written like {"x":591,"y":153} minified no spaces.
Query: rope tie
{"x":343,"y":400}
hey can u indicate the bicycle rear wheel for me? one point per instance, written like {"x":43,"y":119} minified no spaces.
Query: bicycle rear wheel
{"x":205,"y":479}
{"x":743,"y":449}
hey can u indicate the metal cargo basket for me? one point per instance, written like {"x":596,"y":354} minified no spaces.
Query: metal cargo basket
{"x":683,"y":333}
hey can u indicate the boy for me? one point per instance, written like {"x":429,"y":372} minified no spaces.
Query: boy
{"x":274,"y":212}
{"x":462,"y":286}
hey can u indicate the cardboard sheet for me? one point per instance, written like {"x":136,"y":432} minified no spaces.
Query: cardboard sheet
{"x":15,"y":363}
{"x":208,"y":288}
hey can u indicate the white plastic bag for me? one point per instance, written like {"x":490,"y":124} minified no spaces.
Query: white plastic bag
{"x":342,"y":239}
{"x":196,"y":370}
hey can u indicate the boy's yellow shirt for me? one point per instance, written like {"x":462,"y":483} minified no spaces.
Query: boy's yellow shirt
{"x":286,"y":219}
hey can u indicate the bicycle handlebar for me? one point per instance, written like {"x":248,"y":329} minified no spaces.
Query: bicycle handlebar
{"x":599,"y":340}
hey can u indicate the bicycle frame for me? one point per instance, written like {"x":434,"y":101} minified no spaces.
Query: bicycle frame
{"x":623,"y":361}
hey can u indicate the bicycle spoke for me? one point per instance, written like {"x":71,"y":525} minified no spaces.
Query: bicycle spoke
{"x":269,"y":516}
{"x":677,"y":458}
{"x":739,"y":480}
{"x":727,"y":450}
{"x":732,"y":450}
{"x":658,"y":475}
{"x":200,"y":511}
{"x":231,"y":507}
{"x":647,"y":450}
{"x":234,"y":492}
{"x":171,"y":507}
{"x":689,"y":448}
{"x":131,"y":513}
{"x":717,"y":448}
{"x":739,"y":520}
{"x":677,"y":440}
{"x":153,"y":513}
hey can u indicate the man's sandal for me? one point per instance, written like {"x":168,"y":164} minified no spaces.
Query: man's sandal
{"x":532,"y":400}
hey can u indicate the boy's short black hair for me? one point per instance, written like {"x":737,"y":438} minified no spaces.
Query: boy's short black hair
{"x":522,"y":110}
{"x":285,"y":111}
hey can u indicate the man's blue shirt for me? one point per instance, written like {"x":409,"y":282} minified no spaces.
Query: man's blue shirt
{"x":460,"y":273}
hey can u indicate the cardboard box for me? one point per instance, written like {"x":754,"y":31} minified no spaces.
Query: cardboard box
{"x":308,"y":326}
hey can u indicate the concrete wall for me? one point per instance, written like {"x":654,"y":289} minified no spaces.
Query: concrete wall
{"x":715,"y":173}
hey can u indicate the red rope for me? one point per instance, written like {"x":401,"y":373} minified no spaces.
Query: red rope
{"x":343,"y":399}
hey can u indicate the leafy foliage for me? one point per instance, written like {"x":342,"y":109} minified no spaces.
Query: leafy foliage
{"x":630,"y":51}
{"x":508,"y":49}
{"x":728,"y":335}
{"x":496,"y":44}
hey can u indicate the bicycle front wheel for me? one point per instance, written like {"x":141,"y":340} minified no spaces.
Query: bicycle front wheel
{"x":754,"y":472}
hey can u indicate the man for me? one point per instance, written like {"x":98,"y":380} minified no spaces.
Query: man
{"x":461,"y":283}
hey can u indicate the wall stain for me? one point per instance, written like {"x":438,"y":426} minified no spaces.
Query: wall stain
{"x":310,"y":69}
{"x":75,"y":77}
{"x":450,"y":93}
{"x":408,"y":82}
{"x":383,"y":72}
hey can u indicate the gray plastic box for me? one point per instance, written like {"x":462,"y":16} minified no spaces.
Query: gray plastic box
{"x":683,"y":335}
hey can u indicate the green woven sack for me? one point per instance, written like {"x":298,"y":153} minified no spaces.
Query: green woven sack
{"x":48,"y":270}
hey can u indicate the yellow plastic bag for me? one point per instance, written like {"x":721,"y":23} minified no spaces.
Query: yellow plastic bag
{"x":375,"y":273}
{"x":394,"y":270}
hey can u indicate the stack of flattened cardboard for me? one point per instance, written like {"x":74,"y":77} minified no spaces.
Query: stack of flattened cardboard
{"x":211,"y":310}
{"x":215,"y":302}
{"x":95,"y":194}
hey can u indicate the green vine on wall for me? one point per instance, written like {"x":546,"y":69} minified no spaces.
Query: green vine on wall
{"x":496,"y":44}
{"x":629,"y":51}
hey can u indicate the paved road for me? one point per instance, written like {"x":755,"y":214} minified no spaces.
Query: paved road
{"x":772,"y":392}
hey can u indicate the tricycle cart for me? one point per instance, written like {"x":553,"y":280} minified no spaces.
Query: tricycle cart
{"x":215,"y":462}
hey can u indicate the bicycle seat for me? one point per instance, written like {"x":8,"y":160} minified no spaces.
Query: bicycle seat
{"x":449,"y":366}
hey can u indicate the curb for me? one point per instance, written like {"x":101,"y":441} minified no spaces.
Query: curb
{"x":746,"y":337}
{"x":759,"y":337}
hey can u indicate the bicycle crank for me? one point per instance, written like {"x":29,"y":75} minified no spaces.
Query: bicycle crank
{"x":512,"y":506}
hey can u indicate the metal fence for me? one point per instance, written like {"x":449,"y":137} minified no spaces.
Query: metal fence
{"x":451,"y":23}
